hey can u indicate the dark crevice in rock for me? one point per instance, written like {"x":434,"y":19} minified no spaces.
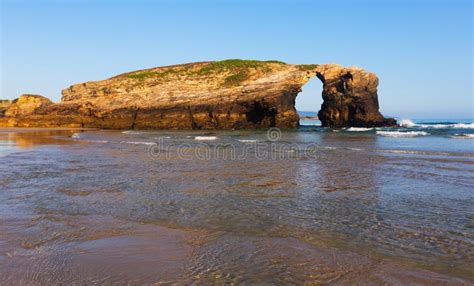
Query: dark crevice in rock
{"x":259,"y":112}
{"x":194,"y":124}
{"x":214,"y":120}
{"x":134,"y":119}
{"x":350,"y":99}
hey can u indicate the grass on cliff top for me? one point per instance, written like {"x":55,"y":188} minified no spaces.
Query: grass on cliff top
{"x":235,"y":79}
{"x":236,"y":67}
{"x":307,"y":67}
{"x":235,"y":64}
{"x":146,"y":74}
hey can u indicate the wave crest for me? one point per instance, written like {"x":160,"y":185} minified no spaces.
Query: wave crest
{"x":402,"y":133}
{"x":358,"y":129}
{"x":463,"y":136}
{"x":436,"y":125}
{"x":205,"y":138}
{"x":407,"y":123}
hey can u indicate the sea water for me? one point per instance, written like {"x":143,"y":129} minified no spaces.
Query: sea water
{"x":312,"y":205}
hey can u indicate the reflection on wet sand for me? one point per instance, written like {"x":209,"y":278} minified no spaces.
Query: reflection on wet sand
{"x":28,"y":138}
{"x":111,"y":214}
{"x":91,"y":249}
{"x":57,"y":250}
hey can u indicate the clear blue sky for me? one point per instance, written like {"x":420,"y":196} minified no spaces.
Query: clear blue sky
{"x":421,"y":50}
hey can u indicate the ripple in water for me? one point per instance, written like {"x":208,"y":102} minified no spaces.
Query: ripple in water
{"x":367,"y":210}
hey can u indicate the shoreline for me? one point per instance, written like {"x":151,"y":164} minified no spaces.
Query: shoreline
{"x":307,"y":254}
{"x":90,"y":250}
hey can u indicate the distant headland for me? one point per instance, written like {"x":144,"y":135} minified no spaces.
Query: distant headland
{"x":229,"y":94}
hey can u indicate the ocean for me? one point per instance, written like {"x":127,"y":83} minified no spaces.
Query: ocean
{"x":314,"y":205}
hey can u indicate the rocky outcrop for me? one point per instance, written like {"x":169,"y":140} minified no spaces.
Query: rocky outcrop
{"x":27,"y":104}
{"x":350,"y":98}
{"x":230,"y":94}
{"x":4,"y":105}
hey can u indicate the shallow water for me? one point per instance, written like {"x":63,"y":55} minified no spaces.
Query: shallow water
{"x":136,"y":207}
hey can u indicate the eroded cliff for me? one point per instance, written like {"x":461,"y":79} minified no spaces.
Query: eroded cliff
{"x":230,"y":94}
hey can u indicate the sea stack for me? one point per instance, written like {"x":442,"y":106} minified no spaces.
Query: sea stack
{"x":229,"y":94}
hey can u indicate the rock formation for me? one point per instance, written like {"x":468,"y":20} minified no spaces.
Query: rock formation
{"x":4,"y":105}
{"x":230,"y":94}
{"x":350,"y":98}
{"x":27,"y":104}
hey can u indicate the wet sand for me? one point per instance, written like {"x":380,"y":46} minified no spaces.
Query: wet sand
{"x":73,"y":211}
{"x":52,"y":250}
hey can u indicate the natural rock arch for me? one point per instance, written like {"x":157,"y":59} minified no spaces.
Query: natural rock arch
{"x":349,"y":98}
{"x":230,"y":94}
{"x":308,"y":102}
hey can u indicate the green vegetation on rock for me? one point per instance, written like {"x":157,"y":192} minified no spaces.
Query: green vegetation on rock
{"x":307,"y":67}
{"x":237,"y":69}
{"x":235,"y":79}
{"x":141,"y":75}
{"x":146,"y":74}
{"x":236,"y":64}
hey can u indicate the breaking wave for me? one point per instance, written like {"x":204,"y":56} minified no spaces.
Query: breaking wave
{"x":353,"y":149}
{"x":402,"y":133}
{"x":446,"y":126}
{"x":358,"y":129}
{"x":247,"y":140}
{"x":205,"y":138}
{"x":463,"y":136}
{"x":402,"y":151}
{"x":407,"y":123}
{"x":436,"y":125}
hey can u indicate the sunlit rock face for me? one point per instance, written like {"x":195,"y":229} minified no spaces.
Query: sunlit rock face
{"x":350,"y":98}
{"x":27,"y":104}
{"x":4,"y":105}
{"x":230,"y":94}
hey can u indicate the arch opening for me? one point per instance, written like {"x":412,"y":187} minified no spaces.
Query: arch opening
{"x":308,"y":102}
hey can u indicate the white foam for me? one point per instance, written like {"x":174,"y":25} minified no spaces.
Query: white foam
{"x":445,"y":126}
{"x":358,"y":129}
{"x":353,"y":149}
{"x":138,"y":143}
{"x":96,"y":141}
{"x":131,"y":132}
{"x":464,"y":125}
{"x":402,"y":151}
{"x":205,"y":138}
{"x":463,"y":136}
{"x":402,"y":133}
{"x":328,"y":147}
{"x":78,"y":137}
{"x":436,"y":126}
{"x":247,"y":140}
{"x":163,"y":137}
{"x":407,"y":123}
